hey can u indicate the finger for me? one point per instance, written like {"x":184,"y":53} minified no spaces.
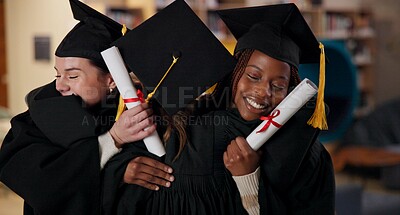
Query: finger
{"x":136,"y":170}
{"x":141,"y":125}
{"x":140,"y":171}
{"x":152,"y":179}
{"x":144,"y":114}
{"x":145,"y":184}
{"x":143,"y":133}
{"x":153,"y":171}
{"x":145,"y":105}
{"x":137,"y":109}
{"x":154,"y":163}
{"x":134,"y":110}
{"x":243,"y":145}
{"x":234,"y":150}
{"x":226,"y":159}
{"x":228,"y":151}
{"x":140,"y":116}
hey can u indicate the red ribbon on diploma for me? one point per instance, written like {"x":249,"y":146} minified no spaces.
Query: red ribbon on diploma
{"x":140,"y":98}
{"x":270,"y":121}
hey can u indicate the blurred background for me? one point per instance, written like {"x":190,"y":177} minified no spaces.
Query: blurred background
{"x":362,"y":42}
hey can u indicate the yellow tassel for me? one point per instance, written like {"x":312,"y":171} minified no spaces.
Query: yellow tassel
{"x":318,"y":119}
{"x":121,"y":108}
{"x":124,"y":30}
{"x":150,"y":95}
{"x":210,"y":90}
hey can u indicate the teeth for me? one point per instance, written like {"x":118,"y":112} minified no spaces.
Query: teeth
{"x":255,"y":104}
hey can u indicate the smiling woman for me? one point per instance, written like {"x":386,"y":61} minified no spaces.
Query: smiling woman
{"x":81,"y":77}
{"x":262,"y":86}
{"x":296,"y":170}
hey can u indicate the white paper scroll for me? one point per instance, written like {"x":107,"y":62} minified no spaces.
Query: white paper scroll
{"x":282,"y":113}
{"x":117,"y":68}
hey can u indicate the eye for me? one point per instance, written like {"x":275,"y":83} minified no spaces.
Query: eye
{"x":58,"y":76}
{"x":278,"y":87}
{"x":73,"y":77}
{"x":253,"y":77}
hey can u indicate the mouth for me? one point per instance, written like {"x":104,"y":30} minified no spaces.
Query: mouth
{"x":67,"y":94}
{"x":252,"y":104}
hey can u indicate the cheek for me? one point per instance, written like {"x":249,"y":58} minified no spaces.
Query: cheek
{"x":91,"y":91}
{"x":240,"y":88}
{"x":278,"y":97}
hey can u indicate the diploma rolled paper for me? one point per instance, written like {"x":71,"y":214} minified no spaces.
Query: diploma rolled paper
{"x":282,"y":113}
{"x":117,"y":68}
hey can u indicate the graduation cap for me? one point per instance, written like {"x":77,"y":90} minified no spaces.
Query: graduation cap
{"x":281,"y":32}
{"x":175,"y":56}
{"x":93,"y":34}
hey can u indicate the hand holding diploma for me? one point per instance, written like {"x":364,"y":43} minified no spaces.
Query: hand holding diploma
{"x":282,"y":113}
{"x":117,"y":68}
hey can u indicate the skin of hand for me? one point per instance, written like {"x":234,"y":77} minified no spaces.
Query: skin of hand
{"x":142,"y":171}
{"x":131,"y":125}
{"x":240,"y":158}
{"x":148,"y":173}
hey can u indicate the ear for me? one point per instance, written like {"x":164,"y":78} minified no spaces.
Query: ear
{"x":110,"y":82}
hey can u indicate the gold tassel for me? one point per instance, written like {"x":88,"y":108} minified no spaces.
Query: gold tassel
{"x":121,"y":108}
{"x":124,"y":30}
{"x":211,"y":90}
{"x":318,"y":119}
{"x":150,"y":95}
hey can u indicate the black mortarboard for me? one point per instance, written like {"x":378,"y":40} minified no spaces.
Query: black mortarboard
{"x":281,"y":32}
{"x":175,"y":31}
{"x":93,"y":34}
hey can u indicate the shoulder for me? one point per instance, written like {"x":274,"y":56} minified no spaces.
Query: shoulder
{"x":22,"y":119}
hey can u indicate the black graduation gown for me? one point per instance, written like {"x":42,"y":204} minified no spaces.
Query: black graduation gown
{"x":50,"y":156}
{"x":296,"y":172}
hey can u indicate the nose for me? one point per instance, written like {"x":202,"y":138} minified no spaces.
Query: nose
{"x":263,"y":90}
{"x":62,"y":85}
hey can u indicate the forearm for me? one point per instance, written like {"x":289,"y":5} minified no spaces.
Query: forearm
{"x":248,"y":189}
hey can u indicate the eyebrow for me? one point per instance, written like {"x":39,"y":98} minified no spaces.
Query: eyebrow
{"x":69,"y":69}
{"x":254,"y":66}
{"x":259,"y":69}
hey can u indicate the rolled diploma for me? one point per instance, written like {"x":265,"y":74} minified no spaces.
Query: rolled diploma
{"x":286,"y":109}
{"x":117,"y":68}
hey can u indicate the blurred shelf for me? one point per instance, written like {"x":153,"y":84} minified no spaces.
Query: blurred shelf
{"x":328,"y":21}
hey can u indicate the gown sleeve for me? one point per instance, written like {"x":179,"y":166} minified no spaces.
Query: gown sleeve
{"x":113,"y":173}
{"x":51,"y":178}
{"x":313,"y":188}
{"x":107,"y":148}
{"x":50,"y":156}
{"x":248,"y":189}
